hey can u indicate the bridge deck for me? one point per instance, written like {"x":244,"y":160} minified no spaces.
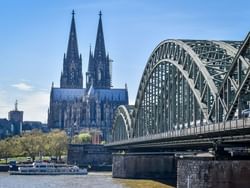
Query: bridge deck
{"x":205,"y":133}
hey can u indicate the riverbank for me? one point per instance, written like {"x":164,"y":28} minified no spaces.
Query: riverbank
{"x":131,"y":183}
{"x":93,"y":179}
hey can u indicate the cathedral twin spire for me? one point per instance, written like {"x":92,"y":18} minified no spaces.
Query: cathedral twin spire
{"x":100,"y":45}
{"x":72,"y":51}
{"x":72,"y":62}
{"x":98,"y":73}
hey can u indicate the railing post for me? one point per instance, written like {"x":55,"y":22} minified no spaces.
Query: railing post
{"x":243,"y":121}
{"x":205,"y":124}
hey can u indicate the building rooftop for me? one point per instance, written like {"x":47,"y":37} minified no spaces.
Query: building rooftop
{"x":62,"y":94}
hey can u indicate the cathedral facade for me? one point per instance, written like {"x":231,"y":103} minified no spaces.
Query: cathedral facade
{"x":74,"y":108}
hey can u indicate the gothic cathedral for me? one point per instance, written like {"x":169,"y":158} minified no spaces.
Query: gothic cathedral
{"x":74,"y":108}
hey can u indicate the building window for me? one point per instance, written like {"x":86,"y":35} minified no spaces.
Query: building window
{"x":99,"y":74}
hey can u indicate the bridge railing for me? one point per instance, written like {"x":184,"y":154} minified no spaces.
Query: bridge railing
{"x":237,"y":124}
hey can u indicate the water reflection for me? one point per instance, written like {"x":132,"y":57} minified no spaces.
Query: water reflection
{"x":92,"y":180}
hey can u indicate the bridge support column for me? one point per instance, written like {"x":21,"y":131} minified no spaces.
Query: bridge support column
{"x":144,"y":165}
{"x":206,"y":173}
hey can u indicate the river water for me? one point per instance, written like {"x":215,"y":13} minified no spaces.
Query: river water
{"x":92,"y":180}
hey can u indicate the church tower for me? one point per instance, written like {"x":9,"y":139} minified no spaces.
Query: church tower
{"x":74,"y":108}
{"x":99,"y":71}
{"x":71,"y":76}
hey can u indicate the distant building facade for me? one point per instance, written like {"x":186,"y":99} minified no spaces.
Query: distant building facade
{"x":15,"y":115}
{"x":6,"y":128}
{"x":73,"y":107}
{"x":28,"y":126}
{"x":15,"y":125}
{"x":16,"y":118}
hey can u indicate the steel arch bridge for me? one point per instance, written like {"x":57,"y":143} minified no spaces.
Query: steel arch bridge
{"x":188,"y":84}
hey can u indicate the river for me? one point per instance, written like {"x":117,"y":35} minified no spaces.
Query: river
{"x":92,"y":180}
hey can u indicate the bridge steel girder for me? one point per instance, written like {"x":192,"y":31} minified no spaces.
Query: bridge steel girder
{"x":188,"y":83}
{"x":156,"y":121}
{"x":191,"y":67}
{"x":234,"y":92}
{"x":122,"y":124}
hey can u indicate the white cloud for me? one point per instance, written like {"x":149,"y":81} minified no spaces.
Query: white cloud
{"x":23,"y":86}
{"x":35,"y":106}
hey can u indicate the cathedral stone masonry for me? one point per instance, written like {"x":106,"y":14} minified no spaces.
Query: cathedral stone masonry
{"x":74,"y":108}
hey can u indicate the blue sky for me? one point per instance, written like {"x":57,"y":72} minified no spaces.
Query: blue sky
{"x":34,"y":34}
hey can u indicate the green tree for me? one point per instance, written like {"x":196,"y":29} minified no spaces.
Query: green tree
{"x":6,"y":149}
{"x":16,"y":150}
{"x":84,"y":137}
{"x":58,"y":143}
{"x":103,"y":142}
{"x":31,"y":144}
{"x":34,"y":144}
{"x":46,"y":140}
{"x":76,"y":140}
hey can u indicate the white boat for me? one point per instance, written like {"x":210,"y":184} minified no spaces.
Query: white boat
{"x":41,"y":168}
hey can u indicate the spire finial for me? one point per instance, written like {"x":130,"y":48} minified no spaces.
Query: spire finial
{"x":16,"y":106}
{"x":73,"y":12}
{"x":100,"y":13}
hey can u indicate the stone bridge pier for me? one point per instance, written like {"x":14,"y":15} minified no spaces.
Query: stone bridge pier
{"x":191,"y":172}
{"x":144,"y":166}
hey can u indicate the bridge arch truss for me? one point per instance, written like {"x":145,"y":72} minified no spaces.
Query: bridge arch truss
{"x":122,"y":124}
{"x":188,"y":83}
